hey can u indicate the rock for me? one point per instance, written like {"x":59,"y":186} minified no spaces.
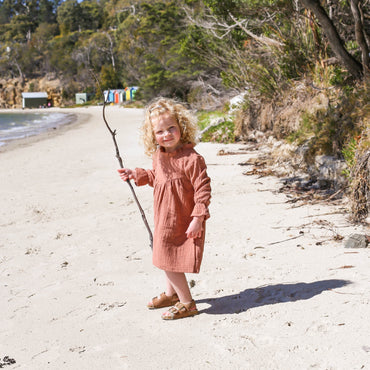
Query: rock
{"x":356,"y":241}
{"x":236,"y":102}
{"x":329,"y":170}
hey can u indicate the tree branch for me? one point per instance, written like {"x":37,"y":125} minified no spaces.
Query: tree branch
{"x":261,"y":39}
{"x":360,"y":34}
{"x":213,"y":25}
{"x":336,"y":43}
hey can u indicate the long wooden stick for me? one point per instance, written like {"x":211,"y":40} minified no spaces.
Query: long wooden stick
{"x":120,"y":161}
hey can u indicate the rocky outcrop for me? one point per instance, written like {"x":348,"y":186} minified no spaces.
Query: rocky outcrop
{"x":11,"y":91}
{"x":10,"y":94}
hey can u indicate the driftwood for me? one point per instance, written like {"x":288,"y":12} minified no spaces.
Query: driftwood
{"x":260,"y":173}
{"x":285,"y":240}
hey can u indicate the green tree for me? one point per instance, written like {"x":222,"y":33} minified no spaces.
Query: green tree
{"x":6,"y":11}
{"x":74,"y":16}
{"x":19,"y":19}
{"x":109,"y":78}
{"x":67,"y":16}
{"x":150,"y":48}
{"x":47,"y":11}
{"x":91,"y":16}
{"x":59,"y":52}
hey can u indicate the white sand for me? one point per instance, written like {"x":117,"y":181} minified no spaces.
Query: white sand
{"x":76,"y":272}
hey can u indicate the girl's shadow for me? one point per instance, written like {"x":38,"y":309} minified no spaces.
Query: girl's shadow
{"x":269,"y":294}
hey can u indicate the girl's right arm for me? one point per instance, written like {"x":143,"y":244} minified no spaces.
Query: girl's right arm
{"x":127,"y":174}
{"x":139,"y":175}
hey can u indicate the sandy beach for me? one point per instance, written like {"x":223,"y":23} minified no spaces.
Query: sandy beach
{"x":277,"y":289}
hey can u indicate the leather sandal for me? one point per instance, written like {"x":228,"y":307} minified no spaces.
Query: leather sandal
{"x":163,"y":301}
{"x":181,"y":310}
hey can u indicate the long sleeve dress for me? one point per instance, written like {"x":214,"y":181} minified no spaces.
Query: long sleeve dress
{"x":182,"y":190}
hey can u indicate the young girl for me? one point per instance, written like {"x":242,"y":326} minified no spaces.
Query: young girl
{"x":182,"y":193}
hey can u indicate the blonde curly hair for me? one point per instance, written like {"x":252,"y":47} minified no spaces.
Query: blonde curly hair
{"x":186,"y":121}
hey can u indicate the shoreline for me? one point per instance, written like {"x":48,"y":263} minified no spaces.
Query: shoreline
{"x":276,"y":285}
{"x":82,"y":116}
{"x":79,"y":118}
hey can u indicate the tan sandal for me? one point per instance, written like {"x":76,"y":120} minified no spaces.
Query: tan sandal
{"x":181,"y":310}
{"x":163,"y":301}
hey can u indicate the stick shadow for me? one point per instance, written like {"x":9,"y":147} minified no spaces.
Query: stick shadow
{"x":266,"y":295}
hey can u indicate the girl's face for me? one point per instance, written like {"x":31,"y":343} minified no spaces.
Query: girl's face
{"x":166,"y":131}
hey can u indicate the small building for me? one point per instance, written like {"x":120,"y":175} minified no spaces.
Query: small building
{"x":34,"y":99}
{"x":82,"y":98}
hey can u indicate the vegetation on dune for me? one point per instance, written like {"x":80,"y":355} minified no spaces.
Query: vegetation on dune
{"x":302,"y":66}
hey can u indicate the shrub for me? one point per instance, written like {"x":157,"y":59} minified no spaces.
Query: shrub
{"x":216,"y":127}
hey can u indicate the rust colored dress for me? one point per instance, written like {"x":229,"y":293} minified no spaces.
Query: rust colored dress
{"x":182,"y":190}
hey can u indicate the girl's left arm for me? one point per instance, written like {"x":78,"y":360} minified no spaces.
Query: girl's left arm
{"x":197,"y":173}
{"x":195,"y":227}
{"x":202,"y":187}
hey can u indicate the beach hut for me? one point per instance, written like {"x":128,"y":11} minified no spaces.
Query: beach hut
{"x":128,"y":95}
{"x":82,"y":98}
{"x":122,"y":96}
{"x":109,"y":98}
{"x":119,"y":96}
{"x":130,"y":92}
{"x":34,"y":99}
{"x":116,"y":96}
{"x":133,"y":92}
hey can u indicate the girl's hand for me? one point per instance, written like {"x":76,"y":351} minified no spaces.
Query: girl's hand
{"x":127,"y":174}
{"x":195,"y":228}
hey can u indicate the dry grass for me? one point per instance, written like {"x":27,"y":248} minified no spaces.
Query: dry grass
{"x":318,"y":120}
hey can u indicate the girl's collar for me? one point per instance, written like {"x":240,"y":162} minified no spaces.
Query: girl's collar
{"x":178,"y":150}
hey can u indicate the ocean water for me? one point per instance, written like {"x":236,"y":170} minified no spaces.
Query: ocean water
{"x":20,"y":125}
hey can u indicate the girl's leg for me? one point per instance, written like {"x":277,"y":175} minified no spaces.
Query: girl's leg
{"x":177,"y":283}
{"x":166,"y":300}
{"x":170,"y":291}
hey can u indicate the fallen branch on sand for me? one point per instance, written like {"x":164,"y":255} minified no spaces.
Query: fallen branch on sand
{"x":285,"y":240}
{"x":232,"y":152}
{"x":260,"y":173}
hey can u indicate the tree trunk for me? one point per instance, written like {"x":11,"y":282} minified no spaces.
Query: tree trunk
{"x":336,"y":43}
{"x":21,"y":76}
{"x":111,"y":48}
{"x":360,"y":35}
